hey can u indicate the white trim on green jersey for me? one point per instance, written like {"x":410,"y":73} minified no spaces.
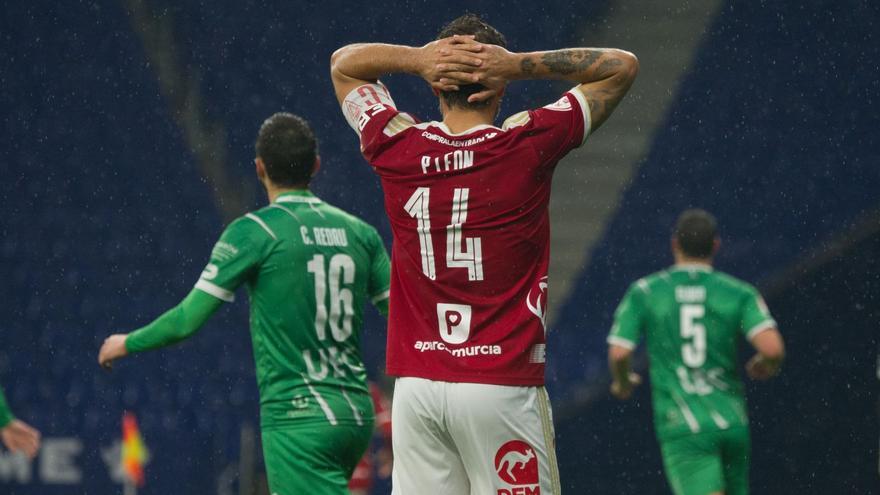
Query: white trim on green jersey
{"x":719,"y":420}
{"x":298,"y":199}
{"x":381,"y":296}
{"x":215,"y":290}
{"x":760,"y":327}
{"x":686,"y":412}
{"x":286,"y":210}
{"x":331,"y":418}
{"x":357,"y":415}
{"x":261,"y":223}
{"x":309,"y":200}
{"x":621,"y":342}
{"x":700,"y":267}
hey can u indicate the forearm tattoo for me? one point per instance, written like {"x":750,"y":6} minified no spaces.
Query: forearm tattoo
{"x":607,"y":67}
{"x":527,"y":66}
{"x":570,"y":61}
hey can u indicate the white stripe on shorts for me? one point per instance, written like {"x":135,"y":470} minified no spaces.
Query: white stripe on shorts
{"x":331,"y":418}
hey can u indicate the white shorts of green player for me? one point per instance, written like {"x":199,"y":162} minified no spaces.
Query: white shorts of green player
{"x":472,"y":439}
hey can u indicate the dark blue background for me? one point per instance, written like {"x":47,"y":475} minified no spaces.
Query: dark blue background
{"x":106,"y":220}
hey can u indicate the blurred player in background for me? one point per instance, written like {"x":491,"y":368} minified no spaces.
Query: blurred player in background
{"x":17,"y":435}
{"x":308,"y":267}
{"x":377,"y":462}
{"x":692,"y":318}
{"x":467,"y":203}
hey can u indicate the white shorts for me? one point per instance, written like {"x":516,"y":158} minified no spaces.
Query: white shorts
{"x":472,"y":439}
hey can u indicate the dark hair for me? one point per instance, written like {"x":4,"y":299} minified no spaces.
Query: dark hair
{"x":469,"y":24}
{"x":695,"y":231}
{"x":288,"y":148}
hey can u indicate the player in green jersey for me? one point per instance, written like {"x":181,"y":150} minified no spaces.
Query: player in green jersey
{"x":692,"y":318}
{"x":15,"y":434}
{"x":308,"y":268}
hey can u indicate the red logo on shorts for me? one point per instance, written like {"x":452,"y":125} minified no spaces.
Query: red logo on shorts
{"x":517,"y":464}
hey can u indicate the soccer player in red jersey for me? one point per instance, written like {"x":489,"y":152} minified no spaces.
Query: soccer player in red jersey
{"x":467,"y":201}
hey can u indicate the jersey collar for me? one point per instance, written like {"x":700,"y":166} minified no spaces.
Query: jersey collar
{"x":298,"y":196}
{"x":692,"y":267}
{"x":443,"y":127}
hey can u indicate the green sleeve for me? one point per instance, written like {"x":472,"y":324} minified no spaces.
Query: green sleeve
{"x":629,"y":319}
{"x":6,"y":416}
{"x":755,"y":314}
{"x":176,"y":324}
{"x":235,"y":257}
{"x":380,"y":274}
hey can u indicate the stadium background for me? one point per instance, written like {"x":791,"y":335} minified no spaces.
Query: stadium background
{"x":127,"y":145}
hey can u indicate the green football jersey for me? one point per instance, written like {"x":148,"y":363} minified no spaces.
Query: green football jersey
{"x":692,"y":318}
{"x":308,"y":268}
{"x":6,"y":416}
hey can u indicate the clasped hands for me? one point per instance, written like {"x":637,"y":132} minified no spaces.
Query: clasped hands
{"x":449,"y":63}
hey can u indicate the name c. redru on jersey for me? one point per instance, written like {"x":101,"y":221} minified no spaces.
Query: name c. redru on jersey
{"x":323,"y":236}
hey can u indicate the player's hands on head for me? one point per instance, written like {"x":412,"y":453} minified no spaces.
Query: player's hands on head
{"x":498,"y":67}
{"x":494,"y":71}
{"x":759,"y":368}
{"x":452,"y":62}
{"x":19,"y":436}
{"x":459,"y":54}
{"x":112,"y":349}
{"x":623,"y":391}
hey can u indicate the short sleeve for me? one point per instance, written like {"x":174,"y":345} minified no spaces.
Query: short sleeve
{"x":555,"y":129}
{"x":235,"y":257}
{"x":373,"y":115}
{"x":628,"y":320}
{"x":380,"y":269}
{"x":363,"y":98}
{"x":755,"y":315}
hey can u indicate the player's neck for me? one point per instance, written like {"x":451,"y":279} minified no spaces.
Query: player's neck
{"x":459,"y":121}
{"x":687,"y":260}
{"x":274,"y":192}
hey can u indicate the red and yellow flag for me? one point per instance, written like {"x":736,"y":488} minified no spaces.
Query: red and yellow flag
{"x":134,"y":452}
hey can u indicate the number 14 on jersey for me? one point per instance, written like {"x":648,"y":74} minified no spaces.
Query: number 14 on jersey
{"x":461,"y":252}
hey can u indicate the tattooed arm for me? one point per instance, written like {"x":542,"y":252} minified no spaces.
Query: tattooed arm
{"x":362,"y":63}
{"x":604,"y":74}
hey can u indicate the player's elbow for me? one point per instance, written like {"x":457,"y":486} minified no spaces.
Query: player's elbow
{"x":775,"y":352}
{"x":334,"y":59}
{"x":769,"y":344}
{"x":339,"y":56}
{"x":629,"y":65}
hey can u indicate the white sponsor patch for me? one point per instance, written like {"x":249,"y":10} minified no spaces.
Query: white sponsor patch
{"x":223,"y":251}
{"x":454,"y":321}
{"x":561,"y":105}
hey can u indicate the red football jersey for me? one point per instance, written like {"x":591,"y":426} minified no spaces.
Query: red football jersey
{"x":471,"y":235}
